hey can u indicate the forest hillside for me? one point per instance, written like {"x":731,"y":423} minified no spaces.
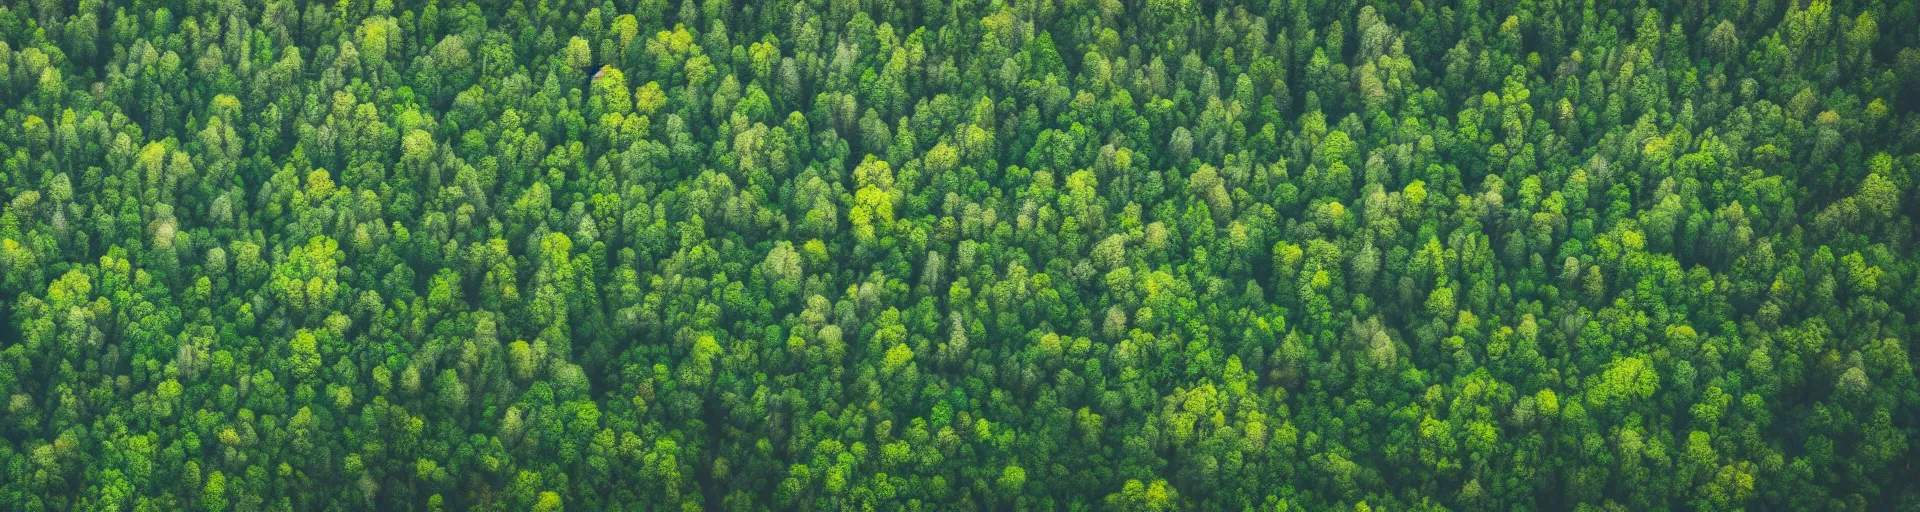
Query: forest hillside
{"x":1137,"y":255}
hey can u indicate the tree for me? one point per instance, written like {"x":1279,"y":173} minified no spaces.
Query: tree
{"x":408,"y":254}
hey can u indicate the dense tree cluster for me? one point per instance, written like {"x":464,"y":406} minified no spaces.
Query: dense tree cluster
{"x":959,"y":254}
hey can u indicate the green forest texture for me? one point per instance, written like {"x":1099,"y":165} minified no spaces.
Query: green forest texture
{"x":959,"y":254}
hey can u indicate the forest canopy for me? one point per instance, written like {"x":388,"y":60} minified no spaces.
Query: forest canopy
{"x":1136,"y":255}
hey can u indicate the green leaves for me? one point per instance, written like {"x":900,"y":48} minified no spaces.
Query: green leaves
{"x":1624,"y":382}
{"x":1170,"y":255}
